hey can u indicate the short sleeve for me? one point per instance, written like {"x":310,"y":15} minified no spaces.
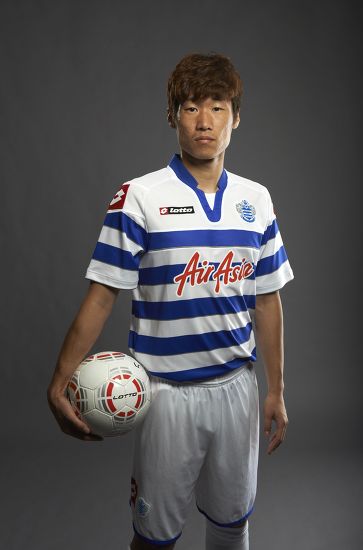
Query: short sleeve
{"x":273,"y":269}
{"x":122,"y":241}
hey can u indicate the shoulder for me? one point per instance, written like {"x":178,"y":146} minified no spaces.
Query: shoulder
{"x":132,"y":194}
{"x":252,"y":196}
{"x":152,"y":179}
{"x":245,"y":183}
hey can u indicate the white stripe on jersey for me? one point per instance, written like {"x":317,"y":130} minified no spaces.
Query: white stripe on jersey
{"x":114,"y":237}
{"x":182,"y":327}
{"x":272,"y":245}
{"x":274,"y":281}
{"x":111,"y":275}
{"x":156,"y":258}
{"x":166,"y":292}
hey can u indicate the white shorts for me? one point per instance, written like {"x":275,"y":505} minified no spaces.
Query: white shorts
{"x":198,"y":437}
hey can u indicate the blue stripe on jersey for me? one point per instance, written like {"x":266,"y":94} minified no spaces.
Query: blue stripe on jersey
{"x":205,"y":372}
{"x":195,"y":307}
{"x":270,"y":233}
{"x":271,"y":263}
{"x":122,"y":222}
{"x":116,"y":256}
{"x":204,"y":237}
{"x":164,"y":274}
{"x":189,"y":343}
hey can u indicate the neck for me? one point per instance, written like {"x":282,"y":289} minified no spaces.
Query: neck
{"x":206,"y":171}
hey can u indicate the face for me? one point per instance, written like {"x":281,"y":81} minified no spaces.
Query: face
{"x":204,"y":127}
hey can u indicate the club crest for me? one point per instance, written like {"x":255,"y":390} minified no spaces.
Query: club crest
{"x":246,"y":211}
{"x":142,"y":507}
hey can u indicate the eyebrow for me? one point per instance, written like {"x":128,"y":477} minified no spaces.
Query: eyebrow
{"x":199,"y":100}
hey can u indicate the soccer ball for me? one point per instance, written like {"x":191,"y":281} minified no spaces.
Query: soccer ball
{"x":110,"y":391}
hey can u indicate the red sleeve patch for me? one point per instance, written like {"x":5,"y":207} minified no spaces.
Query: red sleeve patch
{"x":118,"y":200}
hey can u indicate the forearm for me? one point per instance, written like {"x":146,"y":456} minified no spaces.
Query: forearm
{"x":269,"y":333}
{"x":83,"y":333}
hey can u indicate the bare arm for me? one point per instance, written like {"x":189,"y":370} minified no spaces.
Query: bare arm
{"x":269,"y":332}
{"x":82,"y":334}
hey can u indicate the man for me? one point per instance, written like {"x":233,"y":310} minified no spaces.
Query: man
{"x":201,"y":250}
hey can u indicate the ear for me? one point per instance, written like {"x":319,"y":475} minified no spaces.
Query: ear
{"x":236,"y":121}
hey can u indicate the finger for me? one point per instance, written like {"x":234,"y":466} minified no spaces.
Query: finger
{"x":284,"y":432}
{"x":281,"y":429}
{"x":69,"y":413}
{"x":68,"y":420}
{"x":274,"y":444}
{"x":277,"y":438}
{"x":69,"y":429}
{"x":78,"y":428}
{"x":82,"y":426}
{"x":92,"y":437}
{"x":72,"y":424}
{"x":85,"y":437}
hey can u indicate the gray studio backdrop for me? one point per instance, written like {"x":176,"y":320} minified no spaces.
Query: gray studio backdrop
{"x":83,"y":109}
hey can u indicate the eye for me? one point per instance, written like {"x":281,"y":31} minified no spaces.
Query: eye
{"x":190,"y":109}
{"x":216,"y":108}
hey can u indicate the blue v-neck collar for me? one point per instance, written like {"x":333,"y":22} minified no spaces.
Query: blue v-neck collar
{"x":214,"y":215}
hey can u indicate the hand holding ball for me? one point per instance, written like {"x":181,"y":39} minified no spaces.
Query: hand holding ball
{"x":110,"y":391}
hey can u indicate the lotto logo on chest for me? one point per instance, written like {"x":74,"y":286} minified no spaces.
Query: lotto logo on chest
{"x":164,"y":210}
{"x":198,"y":272}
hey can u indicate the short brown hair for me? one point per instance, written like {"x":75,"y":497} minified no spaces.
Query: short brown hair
{"x":199,"y":76}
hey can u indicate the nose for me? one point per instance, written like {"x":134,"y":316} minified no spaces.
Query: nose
{"x":204,"y":120}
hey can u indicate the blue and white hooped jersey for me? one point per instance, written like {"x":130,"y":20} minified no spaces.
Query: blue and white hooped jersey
{"x":194,"y":270}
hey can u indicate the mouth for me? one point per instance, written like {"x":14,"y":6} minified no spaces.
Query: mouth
{"x":204,"y":139}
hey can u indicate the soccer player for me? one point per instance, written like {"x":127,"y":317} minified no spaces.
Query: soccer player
{"x":201,"y":250}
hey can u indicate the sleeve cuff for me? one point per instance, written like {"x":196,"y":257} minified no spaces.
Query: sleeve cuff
{"x":109,"y":281}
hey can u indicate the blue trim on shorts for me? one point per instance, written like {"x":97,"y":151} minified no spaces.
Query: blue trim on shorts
{"x":226,"y":524}
{"x":157,"y":542}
